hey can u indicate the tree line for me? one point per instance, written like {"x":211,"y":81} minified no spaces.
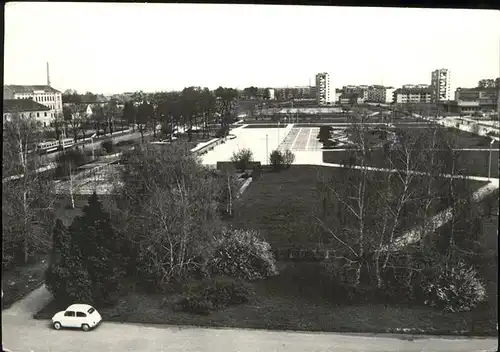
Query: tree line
{"x":158,"y":112}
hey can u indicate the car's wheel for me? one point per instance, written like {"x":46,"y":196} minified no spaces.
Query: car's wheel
{"x":85,"y":327}
{"x":57,"y":325}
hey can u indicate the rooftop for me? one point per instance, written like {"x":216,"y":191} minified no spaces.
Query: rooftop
{"x":413,"y":91}
{"x":477,"y":89}
{"x":22,"y":105}
{"x":29,"y":88}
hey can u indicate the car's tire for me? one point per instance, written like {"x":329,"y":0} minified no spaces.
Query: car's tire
{"x":57,"y":325}
{"x":85,"y":327}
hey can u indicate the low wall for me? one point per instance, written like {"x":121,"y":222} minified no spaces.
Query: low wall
{"x":111,"y":156}
{"x":199,"y":150}
{"x":101,"y":137}
{"x":229,"y":165}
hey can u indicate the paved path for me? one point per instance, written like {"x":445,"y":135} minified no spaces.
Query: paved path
{"x":439,"y":219}
{"x":20,"y":332}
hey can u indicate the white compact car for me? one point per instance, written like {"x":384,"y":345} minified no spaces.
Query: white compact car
{"x":80,"y":316}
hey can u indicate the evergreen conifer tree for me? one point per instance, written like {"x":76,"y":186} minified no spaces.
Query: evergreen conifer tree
{"x":98,"y":247}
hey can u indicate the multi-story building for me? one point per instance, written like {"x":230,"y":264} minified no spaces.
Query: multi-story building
{"x":42,"y":94}
{"x":295,"y":93}
{"x":364,"y":93}
{"x":360,"y":91}
{"x":351,"y":98}
{"x":271,"y":94}
{"x":476,"y":99}
{"x":410,"y":86}
{"x":27,"y":108}
{"x":440,"y":82}
{"x":413,"y":95}
{"x":380,"y":94}
{"x":325,"y":93}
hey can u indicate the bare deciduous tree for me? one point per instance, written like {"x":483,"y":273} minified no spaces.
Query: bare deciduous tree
{"x":26,"y":201}
{"x":365,"y":211}
{"x":169,"y":204}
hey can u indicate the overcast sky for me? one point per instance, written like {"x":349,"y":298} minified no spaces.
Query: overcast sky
{"x":112,"y":48}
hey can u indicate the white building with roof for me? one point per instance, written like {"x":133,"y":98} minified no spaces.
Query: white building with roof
{"x":42,"y":94}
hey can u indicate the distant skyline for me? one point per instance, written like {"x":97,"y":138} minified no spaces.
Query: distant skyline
{"x":114,"y":48}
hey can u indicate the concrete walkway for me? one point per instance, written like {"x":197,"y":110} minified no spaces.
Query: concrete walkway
{"x":438,"y":220}
{"x":30,"y":304}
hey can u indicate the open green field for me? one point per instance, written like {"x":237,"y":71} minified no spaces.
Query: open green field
{"x":283,"y":207}
{"x":470,"y":163}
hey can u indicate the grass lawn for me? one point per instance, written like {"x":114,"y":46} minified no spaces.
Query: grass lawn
{"x":283,"y":206}
{"x":471,"y":163}
{"x":293,"y":300}
{"x":300,"y":298}
{"x":21,"y":280}
{"x":463,"y":139}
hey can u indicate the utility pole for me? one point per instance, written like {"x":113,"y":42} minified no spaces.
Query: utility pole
{"x":489,"y":163}
{"x":267,"y":151}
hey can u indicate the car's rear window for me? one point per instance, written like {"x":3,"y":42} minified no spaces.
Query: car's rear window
{"x":91,"y":310}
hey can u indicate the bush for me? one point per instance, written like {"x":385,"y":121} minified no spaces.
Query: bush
{"x":108,"y":146}
{"x":276,"y":159}
{"x":69,"y":159}
{"x":215,"y":294}
{"x":453,"y":289}
{"x":242,"y":159}
{"x":325,"y":133}
{"x":222,"y":132}
{"x":242,"y":254}
{"x":288,"y":158}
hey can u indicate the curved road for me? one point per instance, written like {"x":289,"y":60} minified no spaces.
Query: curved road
{"x":20,"y":332}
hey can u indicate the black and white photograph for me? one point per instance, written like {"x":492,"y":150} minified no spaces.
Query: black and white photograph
{"x":191,"y":177}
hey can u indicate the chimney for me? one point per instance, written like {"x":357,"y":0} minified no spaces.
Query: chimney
{"x":48,"y":75}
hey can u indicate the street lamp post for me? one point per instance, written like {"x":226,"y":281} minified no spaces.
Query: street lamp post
{"x":489,"y":163}
{"x":278,"y":135}
{"x":267,"y":151}
{"x":92,"y":141}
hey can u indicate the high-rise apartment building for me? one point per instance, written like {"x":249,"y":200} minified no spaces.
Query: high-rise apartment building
{"x":440,"y":83}
{"x":325,"y":93}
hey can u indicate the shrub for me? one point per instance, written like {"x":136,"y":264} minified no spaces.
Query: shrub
{"x":215,"y":294}
{"x":325,"y":133}
{"x":222,"y":132}
{"x":242,"y":254}
{"x":276,"y":159}
{"x":288,"y":158}
{"x":125,"y":142}
{"x":108,"y":146}
{"x":453,"y":289}
{"x":242,"y":159}
{"x":69,"y":159}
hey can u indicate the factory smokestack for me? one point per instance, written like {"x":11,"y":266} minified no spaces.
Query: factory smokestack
{"x":48,"y":75}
